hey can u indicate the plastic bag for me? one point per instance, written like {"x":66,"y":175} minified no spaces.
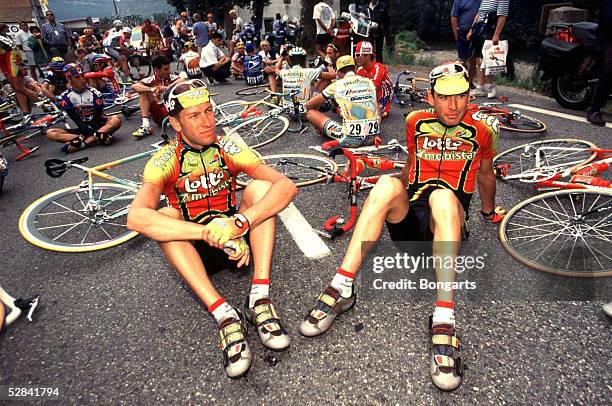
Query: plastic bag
{"x":494,"y":57}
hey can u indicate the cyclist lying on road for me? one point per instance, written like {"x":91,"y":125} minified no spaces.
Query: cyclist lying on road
{"x":433,"y":208}
{"x":197,"y":173}
{"x":356,"y":98}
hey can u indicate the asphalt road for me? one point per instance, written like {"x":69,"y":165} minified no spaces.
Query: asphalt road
{"x":120,"y":326}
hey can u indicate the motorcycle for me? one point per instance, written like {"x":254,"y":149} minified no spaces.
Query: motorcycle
{"x":360,"y":26}
{"x":571,"y":58}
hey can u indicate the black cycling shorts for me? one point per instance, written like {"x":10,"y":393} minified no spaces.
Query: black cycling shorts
{"x":216,"y":259}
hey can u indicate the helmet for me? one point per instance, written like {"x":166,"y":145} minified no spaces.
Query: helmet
{"x":239,"y":45}
{"x":72,"y":69}
{"x":117,"y":23}
{"x":126,"y":30}
{"x":249,"y":47}
{"x":364,"y":48}
{"x":88,"y":31}
{"x":100,"y":58}
{"x":297,"y":51}
{"x":56,"y":66}
{"x":57,"y":59}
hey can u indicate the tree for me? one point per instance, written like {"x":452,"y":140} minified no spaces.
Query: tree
{"x":310,"y":29}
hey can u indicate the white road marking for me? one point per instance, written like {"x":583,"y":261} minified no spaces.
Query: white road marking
{"x":307,"y":240}
{"x":554,"y":113}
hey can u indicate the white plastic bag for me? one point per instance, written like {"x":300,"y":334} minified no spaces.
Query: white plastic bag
{"x":494,"y":57}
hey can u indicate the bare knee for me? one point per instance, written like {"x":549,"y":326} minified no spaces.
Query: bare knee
{"x":445,"y":207}
{"x":255,"y":190}
{"x":386,"y":190}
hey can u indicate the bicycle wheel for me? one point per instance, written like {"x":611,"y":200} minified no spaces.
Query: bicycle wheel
{"x":260,"y":131}
{"x":302,"y":169}
{"x":67,"y":221}
{"x":519,"y":122}
{"x":565,"y":232}
{"x":252,"y":90}
{"x":558,"y":154}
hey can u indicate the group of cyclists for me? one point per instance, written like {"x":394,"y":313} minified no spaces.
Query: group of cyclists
{"x":206,"y":227}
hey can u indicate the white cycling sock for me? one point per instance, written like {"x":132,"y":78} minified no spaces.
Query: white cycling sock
{"x":221,"y":310}
{"x":343,"y":283}
{"x":260,"y":289}
{"x":443,"y":315}
{"x":145,"y":122}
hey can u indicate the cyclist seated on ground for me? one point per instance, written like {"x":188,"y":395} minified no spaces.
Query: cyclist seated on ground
{"x":55,"y":81}
{"x":270,"y":57}
{"x":356,"y":98}
{"x":150,"y":91}
{"x":237,"y":66}
{"x":88,"y":40}
{"x":151,"y":36}
{"x":33,"y":85}
{"x":333,"y":53}
{"x":291,"y":69}
{"x":190,"y":59}
{"x":99,"y":77}
{"x":369,"y":68}
{"x":449,"y":152}
{"x":254,"y":69}
{"x":197,"y":173}
{"x":83,"y":58}
{"x":84,"y":106}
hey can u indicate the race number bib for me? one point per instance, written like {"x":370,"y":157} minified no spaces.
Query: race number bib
{"x":254,"y":80}
{"x":361,"y":128}
{"x":288,"y":104}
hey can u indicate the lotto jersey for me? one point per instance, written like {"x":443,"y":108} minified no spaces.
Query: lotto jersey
{"x":201,"y":183}
{"x":300,"y":79}
{"x":379,"y":74}
{"x":356,"y":99}
{"x":448,"y":157}
{"x":84,"y":103}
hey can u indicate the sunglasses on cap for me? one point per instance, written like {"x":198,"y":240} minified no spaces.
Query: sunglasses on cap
{"x":449,"y":69}
{"x":186,"y":94}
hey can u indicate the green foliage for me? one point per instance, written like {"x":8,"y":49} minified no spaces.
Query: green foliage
{"x":409,"y":40}
{"x":398,"y":58}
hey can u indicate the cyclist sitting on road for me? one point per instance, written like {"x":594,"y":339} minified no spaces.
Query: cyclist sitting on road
{"x":254,"y":67}
{"x":333,"y":53}
{"x":84,"y":106}
{"x":197,"y":173}
{"x":270,"y":57}
{"x":150,"y":91}
{"x":99,"y":77}
{"x":190,"y":59}
{"x":356,"y":98}
{"x":449,"y":151}
{"x":237,"y":65}
{"x":369,"y":68}
{"x":291,"y":69}
{"x":55,"y":80}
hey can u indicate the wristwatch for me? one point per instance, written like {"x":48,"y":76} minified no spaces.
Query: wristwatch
{"x":241,"y":222}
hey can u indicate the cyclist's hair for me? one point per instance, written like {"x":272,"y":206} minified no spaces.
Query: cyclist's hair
{"x":264,"y":42}
{"x":216,"y":35}
{"x":159,"y":61}
{"x":81,"y":51}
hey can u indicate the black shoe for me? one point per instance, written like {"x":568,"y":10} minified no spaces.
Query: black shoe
{"x":222,"y":80}
{"x":596,"y":118}
{"x":325,"y":107}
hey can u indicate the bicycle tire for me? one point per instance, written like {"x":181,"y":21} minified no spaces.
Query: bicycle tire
{"x":260,"y":131}
{"x":522,"y":157}
{"x":555,"y":222}
{"x":520,"y":123}
{"x":253,"y":90}
{"x":301,"y":169}
{"x":36,"y":224}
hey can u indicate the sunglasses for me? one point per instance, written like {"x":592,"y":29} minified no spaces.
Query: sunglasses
{"x":49,"y":14}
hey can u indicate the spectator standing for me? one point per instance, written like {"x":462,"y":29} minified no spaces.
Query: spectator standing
{"x":221,"y":32}
{"x":39,"y":47}
{"x":462,"y":17}
{"x":379,"y":13}
{"x":57,"y":36}
{"x":210,"y":24}
{"x":604,"y":85}
{"x":238,"y":25}
{"x":21,"y":40}
{"x":215,"y":65}
{"x":488,"y":24}
{"x":200,"y":31}
{"x":325,"y":19}
{"x":168,"y":34}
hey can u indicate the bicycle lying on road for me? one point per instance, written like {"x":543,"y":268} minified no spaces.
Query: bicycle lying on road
{"x":564,"y":232}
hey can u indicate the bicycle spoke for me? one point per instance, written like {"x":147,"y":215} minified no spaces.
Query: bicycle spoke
{"x":71,"y":210}
{"x":70,"y":229}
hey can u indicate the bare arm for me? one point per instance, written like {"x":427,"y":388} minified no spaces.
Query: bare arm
{"x":282,"y":192}
{"x":141,"y":88}
{"x":486,"y":185}
{"x":144,"y":218}
{"x":454,"y":26}
{"x":501,"y":21}
{"x":315,"y":102}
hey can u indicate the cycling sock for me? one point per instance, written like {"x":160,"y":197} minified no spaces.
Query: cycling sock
{"x":444,"y":313}
{"x":145,"y":122}
{"x":221,"y":310}
{"x":343,"y":282}
{"x":260,"y":289}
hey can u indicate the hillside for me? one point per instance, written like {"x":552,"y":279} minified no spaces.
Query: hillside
{"x":69,"y":9}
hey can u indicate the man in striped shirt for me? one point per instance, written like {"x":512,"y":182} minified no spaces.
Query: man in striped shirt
{"x":57,"y":36}
{"x":488,"y":24}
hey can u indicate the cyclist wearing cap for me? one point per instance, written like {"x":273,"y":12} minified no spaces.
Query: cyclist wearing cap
{"x":449,"y":152}
{"x":254,"y":66}
{"x":55,"y":81}
{"x":190,"y":60}
{"x":150,"y":91}
{"x":197,"y":173}
{"x":84,"y":106}
{"x":369,"y":68}
{"x":237,"y":65}
{"x":296,"y":77}
{"x":356,"y":99}
{"x":115,"y":46}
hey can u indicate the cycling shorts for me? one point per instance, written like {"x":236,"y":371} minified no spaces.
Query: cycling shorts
{"x":215,"y":259}
{"x":10,"y":64}
{"x":158,"y":113}
{"x":96,"y":125}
